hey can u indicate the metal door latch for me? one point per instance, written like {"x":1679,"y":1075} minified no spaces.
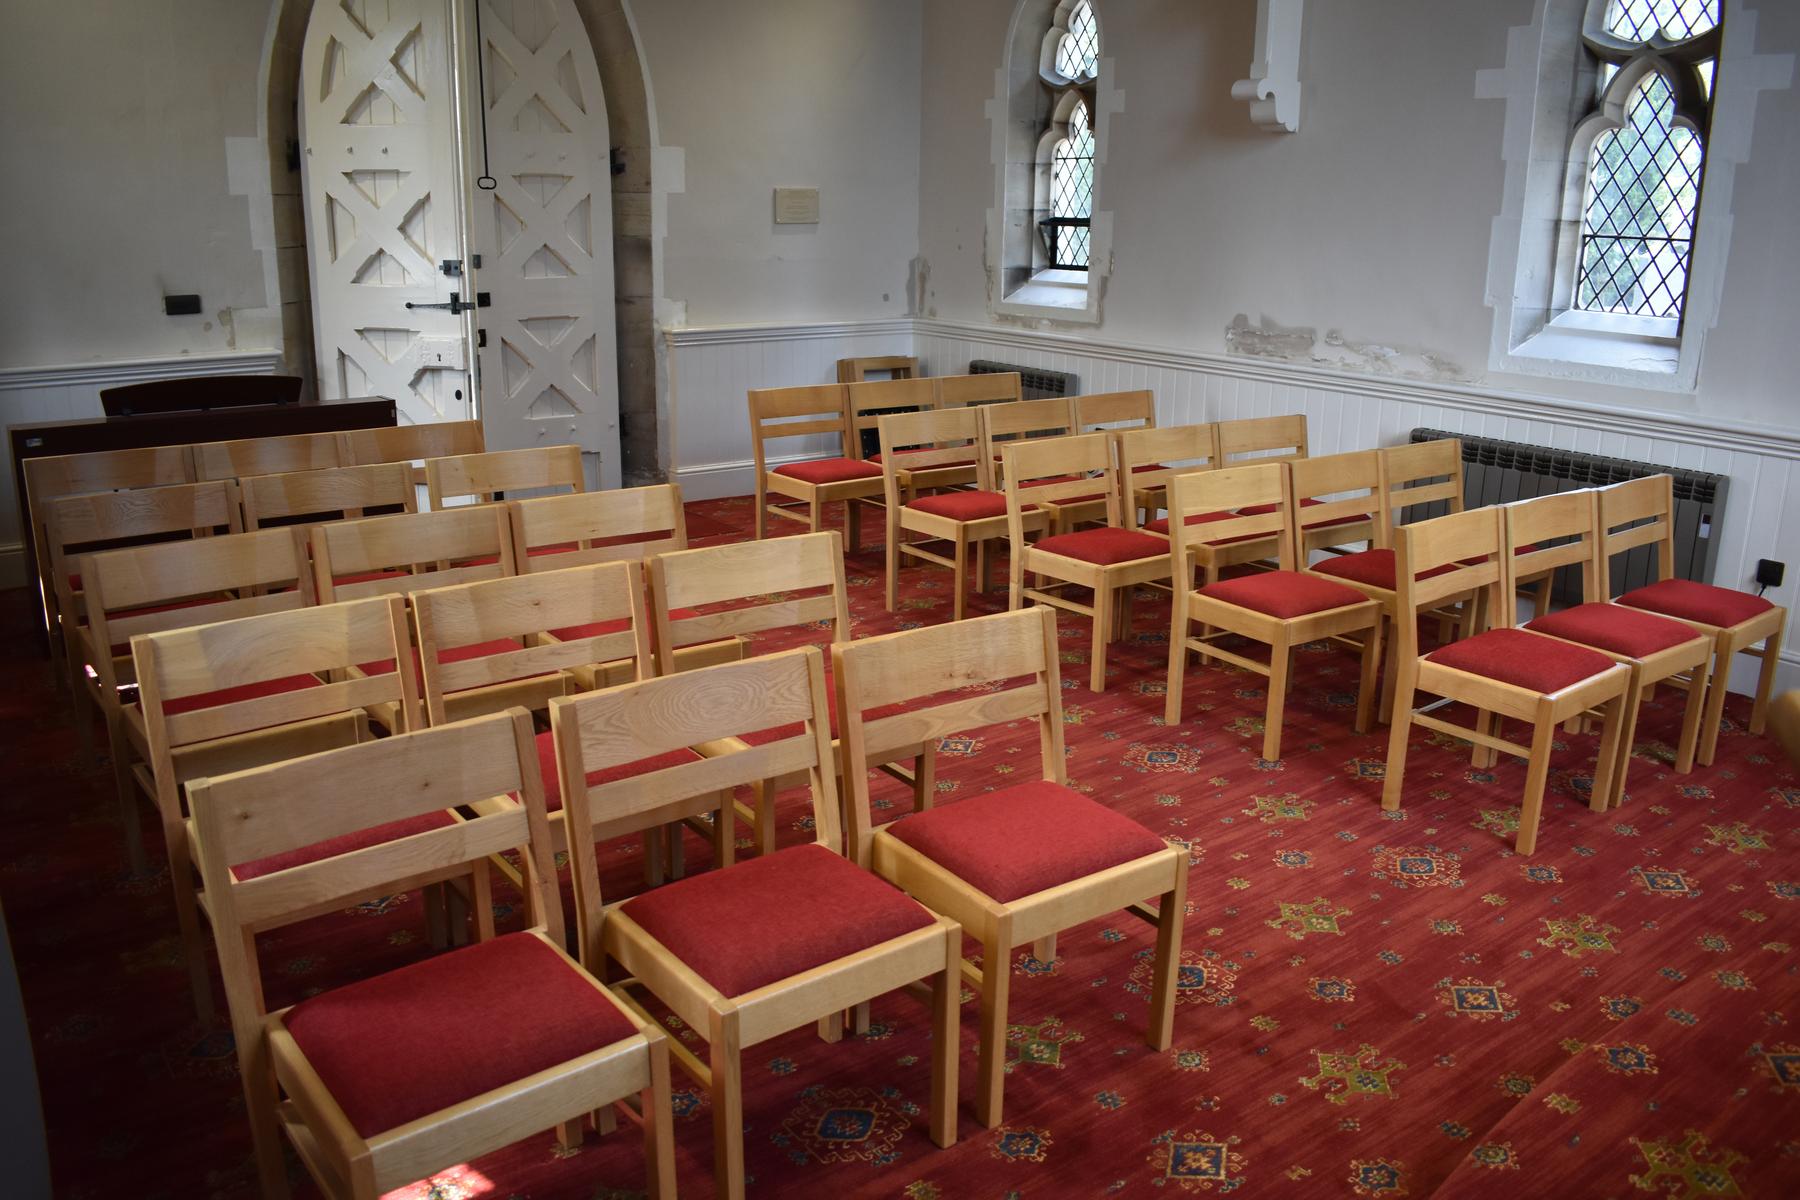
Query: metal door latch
{"x":457,"y":304}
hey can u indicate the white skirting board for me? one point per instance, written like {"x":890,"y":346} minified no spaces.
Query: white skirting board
{"x":72,"y":391}
{"x":711,"y":369}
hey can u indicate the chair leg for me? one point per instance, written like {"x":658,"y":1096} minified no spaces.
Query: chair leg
{"x":1370,"y":676}
{"x":1390,"y":668}
{"x":1765,"y":682}
{"x":1690,"y":719}
{"x":853,"y":525}
{"x":724,"y":837}
{"x":1171,"y":914}
{"x":728,"y":1106}
{"x":815,"y":515}
{"x":655,"y":855}
{"x":1177,"y":660}
{"x":892,"y":550}
{"x":1537,"y":773}
{"x":187,"y":912}
{"x":946,"y":1040}
{"x":924,"y":776}
{"x":481,"y":901}
{"x":1044,"y":949}
{"x":677,"y":850}
{"x":1281,"y":662}
{"x":1715,"y":700}
{"x":1619,"y":717}
{"x":130,"y":820}
{"x":1482,"y":757}
{"x":1540,"y":597}
{"x":764,"y":833}
{"x":659,"y":1125}
{"x":959,"y":575}
{"x":1399,"y":730}
{"x":762,"y":512}
{"x":996,"y":983}
{"x":262,"y":1096}
{"x":984,"y":565}
{"x":1103,"y":611}
{"x":1122,"y":622}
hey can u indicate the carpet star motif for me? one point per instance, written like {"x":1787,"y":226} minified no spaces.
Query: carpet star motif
{"x":1419,"y":866}
{"x":1331,"y":990}
{"x":1026,"y":1144}
{"x":1197,"y":1161}
{"x":1343,"y":1075}
{"x":1578,"y":935}
{"x":1378,"y":1177}
{"x":1038,"y":1045}
{"x":1470,"y":997}
{"x":1158,"y":759}
{"x":1665,"y":883}
{"x":1271,"y":810}
{"x":1737,"y":837}
{"x":1687,"y":1169}
{"x":1203,"y":977}
{"x":843,"y":1125}
{"x":1780,"y":1064}
{"x":1297,"y":919}
{"x":1626,"y":1058}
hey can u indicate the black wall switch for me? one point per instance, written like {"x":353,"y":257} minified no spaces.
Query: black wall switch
{"x":182,"y":306}
{"x":1769,"y":572}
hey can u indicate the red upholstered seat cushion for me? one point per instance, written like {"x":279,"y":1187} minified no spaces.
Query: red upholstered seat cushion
{"x":1105,"y":546}
{"x":1161,"y":525}
{"x":962,"y":506}
{"x":553,"y":800}
{"x":1283,"y":594}
{"x":830,"y":470}
{"x":1700,"y":602}
{"x":1626,"y":631}
{"x":362,"y":839}
{"x":774,"y":916}
{"x":1148,"y":467}
{"x":1523,"y":659}
{"x":1374,"y":568}
{"x":236,"y":695}
{"x":1023,"y":839}
{"x":454,"y":654}
{"x":410,"y":1042}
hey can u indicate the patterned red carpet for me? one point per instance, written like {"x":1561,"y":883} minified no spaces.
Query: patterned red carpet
{"x":1372,"y":1004}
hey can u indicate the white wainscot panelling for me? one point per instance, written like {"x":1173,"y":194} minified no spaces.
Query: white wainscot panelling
{"x":62,"y":393}
{"x":710,"y":370}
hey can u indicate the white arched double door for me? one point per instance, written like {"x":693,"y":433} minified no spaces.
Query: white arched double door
{"x":460,"y":146}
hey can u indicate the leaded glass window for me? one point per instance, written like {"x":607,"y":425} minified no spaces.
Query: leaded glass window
{"x":1072,"y":187}
{"x":1064,"y":196}
{"x":1644,"y":175}
{"x":1078,"y":53}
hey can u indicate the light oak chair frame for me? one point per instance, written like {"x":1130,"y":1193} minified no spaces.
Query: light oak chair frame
{"x":413,"y":443}
{"x":1356,"y":514}
{"x":711,"y":705}
{"x":1269,"y":439}
{"x":1450,"y":540}
{"x":485,"y":477}
{"x":1572,"y":519}
{"x":274,"y":808}
{"x":1229,"y":488}
{"x":327,"y":494}
{"x":869,"y":402}
{"x":180,"y":747}
{"x":1146,"y":459}
{"x":780,"y":413}
{"x":914,"y":665}
{"x":963,"y":392}
{"x":268,"y":455}
{"x":408,"y":552}
{"x":1071,"y":468}
{"x":1110,"y":413}
{"x":947,"y":436}
{"x":856,"y":370}
{"x":1020,"y":420}
{"x":1640,"y":512}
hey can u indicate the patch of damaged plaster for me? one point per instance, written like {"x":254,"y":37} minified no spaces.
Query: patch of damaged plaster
{"x":918,"y":280}
{"x":1267,"y":339}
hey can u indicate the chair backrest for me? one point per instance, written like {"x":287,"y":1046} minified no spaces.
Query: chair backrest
{"x":1019,"y":420}
{"x":330,"y":493}
{"x":1269,"y":439}
{"x":271,"y":810}
{"x":57,"y":475}
{"x":635,"y":721}
{"x":173,"y":512}
{"x":935,"y":437}
{"x":1638,"y":512}
{"x":1558,"y":530}
{"x":1115,"y":410}
{"x":919,"y":681}
{"x":1052,"y":470}
{"x":791,"y":412}
{"x":1355,"y":512}
{"x":759,"y":577}
{"x":990,"y":387}
{"x":383,"y":556}
{"x":1421,"y":473}
{"x":1146,"y":458}
{"x":868,"y":401}
{"x":482,"y":477}
{"x":898,"y":366}
{"x":220,"y":680}
{"x":618,"y":525}
{"x":1206,"y":494}
{"x":413,"y":443}
{"x":1459,"y":554}
{"x":605,"y":602}
{"x":172,"y":585}
{"x":268,"y":455}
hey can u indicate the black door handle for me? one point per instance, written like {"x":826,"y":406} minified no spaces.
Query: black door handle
{"x":457,"y":305}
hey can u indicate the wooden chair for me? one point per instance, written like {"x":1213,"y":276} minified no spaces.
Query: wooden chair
{"x":74,"y":524}
{"x":869,"y":402}
{"x":1146,"y":459}
{"x":58,"y":475}
{"x":414,"y":443}
{"x":1267,"y":439}
{"x":1111,"y":560}
{"x":331,"y":493}
{"x":989,"y":387}
{"x":1115,"y":412}
{"x":763,"y":585}
{"x":233,"y":694}
{"x":1018,"y":420}
{"x":389,"y":1079}
{"x":1012,"y":866}
{"x":1282,"y":609}
{"x":171,"y":585}
{"x":268,"y":455}
{"x":811,"y":412}
{"x":484,"y":478}
{"x":1499,"y":671}
{"x":856,"y":370}
{"x":752,"y":950}
{"x":408,"y":552}
{"x":618,"y":525}
{"x":963,"y":518}
{"x":1354,"y":511}
{"x":1654,"y":647}
{"x":1640,"y":512}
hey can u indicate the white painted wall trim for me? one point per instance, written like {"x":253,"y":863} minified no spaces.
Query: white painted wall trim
{"x":737,"y":335}
{"x":123,"y":371}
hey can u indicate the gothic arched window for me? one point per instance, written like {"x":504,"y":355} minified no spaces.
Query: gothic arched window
{"x":1069,"y":65}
